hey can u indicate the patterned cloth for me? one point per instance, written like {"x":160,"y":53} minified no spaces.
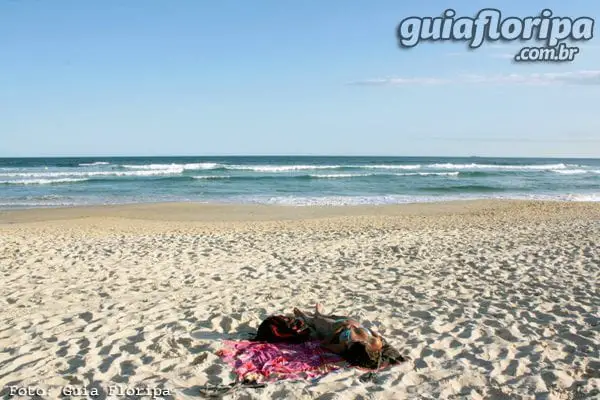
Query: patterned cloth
{"x":260,"y":361}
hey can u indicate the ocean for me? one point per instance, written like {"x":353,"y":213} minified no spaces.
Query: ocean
{"x":306,"y":180}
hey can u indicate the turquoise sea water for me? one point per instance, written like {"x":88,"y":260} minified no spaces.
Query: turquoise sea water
{"x":50,"y":182}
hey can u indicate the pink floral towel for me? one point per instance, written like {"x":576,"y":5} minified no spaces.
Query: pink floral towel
{"x":274,"y":361}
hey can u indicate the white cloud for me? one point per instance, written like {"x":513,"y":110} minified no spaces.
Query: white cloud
{"x":391,"y":81}
{"x":511,"y":139}
{"x":591,"y":77}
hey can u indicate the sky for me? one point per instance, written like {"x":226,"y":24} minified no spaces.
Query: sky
{"x":263,"y":77}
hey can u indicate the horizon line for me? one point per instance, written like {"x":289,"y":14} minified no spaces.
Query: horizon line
{"x":295,"y":155}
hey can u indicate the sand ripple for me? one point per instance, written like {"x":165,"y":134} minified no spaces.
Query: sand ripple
{"x":488,"y":304}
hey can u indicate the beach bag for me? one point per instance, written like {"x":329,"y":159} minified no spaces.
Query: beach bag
{"x":280,"y":328}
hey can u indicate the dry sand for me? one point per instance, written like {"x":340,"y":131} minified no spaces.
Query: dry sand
{"x":489,"y":299}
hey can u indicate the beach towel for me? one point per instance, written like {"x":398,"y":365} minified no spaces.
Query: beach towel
{"x":268,"y":362}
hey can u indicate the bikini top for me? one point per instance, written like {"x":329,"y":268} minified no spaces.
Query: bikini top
{"x":345,"y":335}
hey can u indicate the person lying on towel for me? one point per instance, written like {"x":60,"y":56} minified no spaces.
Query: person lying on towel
{"x":345,"y":336}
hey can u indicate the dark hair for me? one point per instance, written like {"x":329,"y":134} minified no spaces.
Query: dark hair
{"x":357,"y":354}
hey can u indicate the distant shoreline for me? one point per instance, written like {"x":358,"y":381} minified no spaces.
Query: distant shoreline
{"x":206,"y":212}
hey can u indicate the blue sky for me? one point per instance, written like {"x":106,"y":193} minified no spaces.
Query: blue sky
{"x":147,"y":77}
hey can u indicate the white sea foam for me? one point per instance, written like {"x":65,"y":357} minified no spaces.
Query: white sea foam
{"x":212,"y":177}
{"x":280,"y":168}
{"x":42,"y":181}
{"x":151,"y":167}
{"x":593,"y":197}
{"x":302,"y":167}
{"x":88,"y":174}
{"x":540,"y":167}
{"x":170,"y":171}
{"x":341,"y":176}
{"x":453,"y":173}
{"x":291,"y":168}
{"x":570,"y":171}
{"x":93,"y":164}
{"x":388,"y":166}
{"x":159,"y":167}
{"x":335,"y":200}
{"x":35,"y":204}
{"x":201,"y":166}
{"x":353,"y":200}
{"x":402,"y":199}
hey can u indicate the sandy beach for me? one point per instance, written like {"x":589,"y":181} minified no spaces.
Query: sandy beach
{"x":489,"y":299}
